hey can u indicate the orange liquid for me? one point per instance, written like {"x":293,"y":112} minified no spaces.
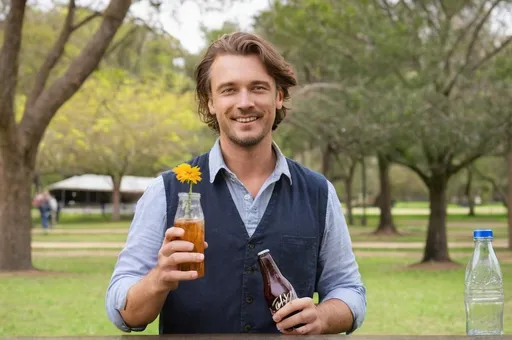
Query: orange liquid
{"x":194,"y":232}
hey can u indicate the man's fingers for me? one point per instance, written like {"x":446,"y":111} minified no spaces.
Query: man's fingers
{"x":179,"y":258}
{"x":205,"y":244}
{"x":290,"y":322}
{"x":173,"y":233}
{"x":177,"y":276}
{"x":176,"y":246}
{"x":289,"y":308}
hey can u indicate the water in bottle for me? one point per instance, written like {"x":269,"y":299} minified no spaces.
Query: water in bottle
{"x":483,"y":295}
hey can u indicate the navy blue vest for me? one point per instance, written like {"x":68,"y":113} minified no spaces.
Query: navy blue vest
{"x":229,"y":298}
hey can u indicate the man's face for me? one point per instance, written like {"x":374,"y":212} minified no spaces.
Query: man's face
{"x":244,"y":99}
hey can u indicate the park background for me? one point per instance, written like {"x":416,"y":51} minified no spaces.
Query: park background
{"x":404,"y":105}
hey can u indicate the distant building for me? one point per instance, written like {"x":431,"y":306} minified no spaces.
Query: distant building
{"x":92,"y":189}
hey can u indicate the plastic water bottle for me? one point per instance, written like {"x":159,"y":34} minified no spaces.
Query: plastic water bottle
{"x":483,"y":295}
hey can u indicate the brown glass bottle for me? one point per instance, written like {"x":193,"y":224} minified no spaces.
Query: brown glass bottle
{"x":277,"y":289}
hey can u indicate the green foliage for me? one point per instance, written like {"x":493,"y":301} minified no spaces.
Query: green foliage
{"x":118,"y":125}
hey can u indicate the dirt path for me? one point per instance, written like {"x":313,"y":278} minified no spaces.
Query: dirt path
{"x":503,"y":257}
{"x":355,"y":245}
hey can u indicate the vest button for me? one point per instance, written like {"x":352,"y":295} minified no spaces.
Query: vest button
{"x":251,"y":245}
{"x":247,"y":328}
{"x":249,"y":299}
{"x":250,"y":270}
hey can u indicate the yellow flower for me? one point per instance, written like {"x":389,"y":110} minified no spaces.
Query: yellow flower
{"x":187,"y":173}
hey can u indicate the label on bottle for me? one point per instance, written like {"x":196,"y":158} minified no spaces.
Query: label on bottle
{"x":282,"y":300}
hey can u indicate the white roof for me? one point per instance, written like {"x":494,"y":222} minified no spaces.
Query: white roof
{"x":89,"y":182}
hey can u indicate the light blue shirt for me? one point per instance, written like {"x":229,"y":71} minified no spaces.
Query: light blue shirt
{"x":340,"y":278}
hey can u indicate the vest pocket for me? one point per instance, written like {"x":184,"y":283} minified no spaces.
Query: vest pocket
{"x":297,"y":262}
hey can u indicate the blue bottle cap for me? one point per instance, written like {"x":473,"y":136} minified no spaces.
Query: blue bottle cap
{"x":482,"y":233}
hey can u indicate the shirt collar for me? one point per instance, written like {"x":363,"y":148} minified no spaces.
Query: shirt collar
{"x":216,"y":162}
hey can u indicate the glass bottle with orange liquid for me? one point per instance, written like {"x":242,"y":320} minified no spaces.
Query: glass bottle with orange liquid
{"x":189,"y":216}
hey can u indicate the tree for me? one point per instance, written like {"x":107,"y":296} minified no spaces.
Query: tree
{"x":19,"y":140}
{"x":337,"y":102}
{"x":430,"y":54}
{"x":119,"y":126}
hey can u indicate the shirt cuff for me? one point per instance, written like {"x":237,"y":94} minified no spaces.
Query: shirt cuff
{"x":355,"y":301}
{"x":119,"y":303}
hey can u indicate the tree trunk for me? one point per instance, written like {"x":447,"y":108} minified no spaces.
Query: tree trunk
{"x":19,"y":141}
{"x":116,"y":197}
{"x":37,"y":181}
{"x":509,"y":198}
{"x":15,"y":208}
{"x":436,"y":248}
{"x":469,"y":195}
{"x":363,"y":188}
{"x":348,"y":190}
{"x":348,"y":195}
{"x":386,"y":225}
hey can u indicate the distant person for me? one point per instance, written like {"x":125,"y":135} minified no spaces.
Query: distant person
{"x":41,"y":202}
{"x":54,"y":207}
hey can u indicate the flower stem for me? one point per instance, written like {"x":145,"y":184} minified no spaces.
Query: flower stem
{"x":187,"y":212}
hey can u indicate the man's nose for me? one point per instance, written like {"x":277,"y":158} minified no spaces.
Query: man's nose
{"x":245,"y":100}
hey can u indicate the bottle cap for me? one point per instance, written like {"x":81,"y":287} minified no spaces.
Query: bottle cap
{"x":263,"y":252}
{"x":482,"y":233}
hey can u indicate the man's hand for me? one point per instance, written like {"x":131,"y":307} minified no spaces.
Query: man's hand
{"x":308,"y":317}
{"x":146,"y":298}
{"x":175,"y":251}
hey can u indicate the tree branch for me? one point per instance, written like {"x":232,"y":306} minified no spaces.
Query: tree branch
{"x":463,"y":33}
{"x":118,"y":43}
{"x":53,"y":56}
{"x":403,"y":160}
{"x":429,"y":17}
{"x":447,"y":90}
{"x":85,"y":20}
{"x":38,"y":116}
{"x":465,"y":163}
{"x":495,"y":185}
{"x":9,"y":66}
{"x":387,"y":8}
{"x":491,"y":54}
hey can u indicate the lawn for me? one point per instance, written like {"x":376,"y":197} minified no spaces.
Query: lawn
{"x":71,"y":301}
{"x":400,"y":300}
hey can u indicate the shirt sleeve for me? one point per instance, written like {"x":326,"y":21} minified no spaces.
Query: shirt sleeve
{"x":339,"y":276}
{"x":140,"y":253}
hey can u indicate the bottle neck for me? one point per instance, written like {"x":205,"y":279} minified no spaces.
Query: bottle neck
{"x":270,"y":267}
{"x":483,"y":246}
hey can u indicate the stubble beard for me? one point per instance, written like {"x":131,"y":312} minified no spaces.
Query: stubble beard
{"x":246,"y":142}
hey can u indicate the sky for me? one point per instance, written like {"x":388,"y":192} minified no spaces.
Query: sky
{"x":185,"y":24}
{"x":182,"y":20}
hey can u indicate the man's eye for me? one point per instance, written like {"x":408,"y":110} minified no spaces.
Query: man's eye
{"x":228,"y":90}
{"x":260,"y":88}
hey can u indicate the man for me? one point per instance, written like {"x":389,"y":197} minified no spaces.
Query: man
{"x":253,"y":198}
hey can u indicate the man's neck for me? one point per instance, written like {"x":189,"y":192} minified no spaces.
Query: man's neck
{"x":249,"y":162}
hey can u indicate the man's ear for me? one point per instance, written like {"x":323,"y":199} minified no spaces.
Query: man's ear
{"x":211,"y":107}
{"x":279,"y":99}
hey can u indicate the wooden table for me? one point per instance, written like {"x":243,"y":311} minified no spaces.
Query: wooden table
{"x":264,"y":337}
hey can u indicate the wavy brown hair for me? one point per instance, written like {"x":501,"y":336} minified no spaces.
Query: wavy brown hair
{"x":240,"y":43}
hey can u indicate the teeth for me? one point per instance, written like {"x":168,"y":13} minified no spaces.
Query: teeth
{"x":246,"y":120}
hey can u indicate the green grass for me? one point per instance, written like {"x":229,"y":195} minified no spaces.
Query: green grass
{"x":373,"y":220}
{"x":80,"y":238}
{"x":404,"y":301}
{"x":71,"y":302}
{"x":76,"y":218}
{"x":90,"y":225}
{"x":425,"y":205}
